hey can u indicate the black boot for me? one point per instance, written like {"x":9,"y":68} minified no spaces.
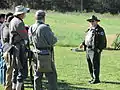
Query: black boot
{"x":91,"y":77}
{"x":95,"y":81}
{"x":90,"y":80}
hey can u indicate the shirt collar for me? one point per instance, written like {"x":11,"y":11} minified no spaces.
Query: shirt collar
{"x":18,"y":18}
{"x":40,"y":21}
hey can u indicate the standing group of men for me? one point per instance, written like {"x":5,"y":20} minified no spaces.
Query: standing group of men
{"x":15,"y":38}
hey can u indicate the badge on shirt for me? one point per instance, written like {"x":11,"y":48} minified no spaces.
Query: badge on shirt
{"x":102,"y":33}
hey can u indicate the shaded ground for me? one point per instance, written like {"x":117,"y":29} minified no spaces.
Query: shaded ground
{"x":62,"y":85}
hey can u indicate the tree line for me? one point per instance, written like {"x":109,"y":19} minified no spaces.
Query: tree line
{"x":99,"y":6}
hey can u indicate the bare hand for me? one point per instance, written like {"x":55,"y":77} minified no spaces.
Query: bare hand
{"x":81,"y":46}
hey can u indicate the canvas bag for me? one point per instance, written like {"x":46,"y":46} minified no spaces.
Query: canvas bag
{"x":43,"y":56}
{"x":44,"y":61}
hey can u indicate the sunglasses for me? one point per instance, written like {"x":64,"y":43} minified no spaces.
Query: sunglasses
{"x":91,"y":21}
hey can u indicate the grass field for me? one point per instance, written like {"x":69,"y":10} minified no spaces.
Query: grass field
{"x":73,"y":72}
{"x":70,"y":27}
{"x":71,"y":66}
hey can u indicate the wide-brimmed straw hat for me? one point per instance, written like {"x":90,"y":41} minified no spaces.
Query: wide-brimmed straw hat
{"x":93,"y":18}
{"x":20,"y":9}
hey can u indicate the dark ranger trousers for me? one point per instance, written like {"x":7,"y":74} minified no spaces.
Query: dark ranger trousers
{"x":93,"y":59}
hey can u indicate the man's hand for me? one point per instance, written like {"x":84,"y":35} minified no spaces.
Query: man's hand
{"x":81,"y":46}
{"x":26,"y":42}
{"x":98,"y":50}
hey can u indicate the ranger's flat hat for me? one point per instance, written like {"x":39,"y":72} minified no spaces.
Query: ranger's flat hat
{"x":20,"y":9}
{"x":93,"y":18}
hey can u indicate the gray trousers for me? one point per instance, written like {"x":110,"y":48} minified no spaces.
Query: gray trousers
{"x":51,"y":77}
{"x":19,"y":63}
{"x":93,"y":59}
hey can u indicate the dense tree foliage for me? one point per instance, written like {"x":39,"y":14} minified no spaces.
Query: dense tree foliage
{"x":100,"y":6}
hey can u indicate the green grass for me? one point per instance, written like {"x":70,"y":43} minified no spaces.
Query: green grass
{"x":73,"y":71}
{"x":70,"y":27}
{"x":72,"y":68}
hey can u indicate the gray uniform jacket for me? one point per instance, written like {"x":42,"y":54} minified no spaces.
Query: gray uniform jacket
{"x":0,"y":29}
{"x":18,"y":34}
{"x":5,"y":33}
{"x":17,"y":30}
{"x":41,"y":35}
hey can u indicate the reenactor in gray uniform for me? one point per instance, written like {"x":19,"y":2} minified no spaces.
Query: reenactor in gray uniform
{"x":2,"y":19}
{"x":43,"y":39}
{"x":5,"y":28}
{"x":5,"y":42}
{"x":94,"y":43}
{"x":18,"y":38}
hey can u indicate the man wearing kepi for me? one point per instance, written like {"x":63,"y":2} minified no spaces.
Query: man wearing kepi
{"x":94,"y":43}
{"x":18,"y":38}
{"x":43,"y":40}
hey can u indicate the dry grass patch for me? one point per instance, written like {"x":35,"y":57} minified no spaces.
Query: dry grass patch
{"x":110,"y":40}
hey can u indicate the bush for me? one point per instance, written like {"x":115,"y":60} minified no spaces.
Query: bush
{"x":116,"y":43}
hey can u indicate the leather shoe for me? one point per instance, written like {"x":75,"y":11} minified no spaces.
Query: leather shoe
{"x":91,"y":80}
{"x":95,"y":82}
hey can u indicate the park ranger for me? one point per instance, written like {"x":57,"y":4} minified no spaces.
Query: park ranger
{"x":94,"y":43}
{"x":43,"y":40}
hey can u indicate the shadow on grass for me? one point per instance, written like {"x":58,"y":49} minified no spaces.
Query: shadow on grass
{"x":28,"y":83}
{"x":110,"y":82}
{"x":111,"y":49}
{"x":62,"y":85}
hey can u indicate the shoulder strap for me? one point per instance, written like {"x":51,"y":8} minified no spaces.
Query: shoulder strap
{"x":32,"y":35}
{"x":44,"y":40}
